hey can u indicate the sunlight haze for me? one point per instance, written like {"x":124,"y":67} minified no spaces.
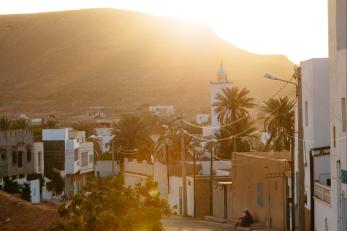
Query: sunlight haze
{"x":295,"y":28}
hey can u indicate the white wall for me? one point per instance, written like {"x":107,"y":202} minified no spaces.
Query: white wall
{"x":315,"y":92}
{"x":323,"y":218}
{"x":202,"y":118}
{"x":55,"y":134}
{"x":174,"y":195}
{"x":38,"y":157}
{"x":217,"y":164}
{"x":35,"y":191}
{"x":104,"y":167}
{"x":337,"y":75}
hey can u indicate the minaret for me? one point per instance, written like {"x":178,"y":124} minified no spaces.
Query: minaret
{"x":216,"y":87}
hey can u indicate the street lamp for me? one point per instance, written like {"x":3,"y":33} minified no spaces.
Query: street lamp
{"x":301,"y":197}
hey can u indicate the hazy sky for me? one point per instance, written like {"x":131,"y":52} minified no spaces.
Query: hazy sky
{"x":296,"y":28}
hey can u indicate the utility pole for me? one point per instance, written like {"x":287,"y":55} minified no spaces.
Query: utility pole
{"x":211,"y":182}
{"x":183,"y":154}
{"x":113,"y":172}
{"x":167,"y":168}
{"x":292,"y":183}
{"x":300,"y":153}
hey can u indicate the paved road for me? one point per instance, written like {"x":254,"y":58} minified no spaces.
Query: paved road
{"x":189,"y":224}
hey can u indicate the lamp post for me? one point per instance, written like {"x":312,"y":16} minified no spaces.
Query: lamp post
{"x":301,"y":188}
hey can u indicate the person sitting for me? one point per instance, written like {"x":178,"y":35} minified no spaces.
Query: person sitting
{"x":246,"y":220}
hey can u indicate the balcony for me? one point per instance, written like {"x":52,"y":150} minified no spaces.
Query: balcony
{"x":322,"y":192}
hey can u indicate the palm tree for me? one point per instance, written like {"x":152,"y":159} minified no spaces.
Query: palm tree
{"x":5,"y":123}
{"x":279,"y":123}
{"x":172,"y":137}
{"x":245,"y":133}
{"x":133,"y":136}
{"x":232,"y":104}
{"x":20,"y":123}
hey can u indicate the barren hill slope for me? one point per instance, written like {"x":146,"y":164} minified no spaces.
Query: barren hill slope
{"x":67,"y":61}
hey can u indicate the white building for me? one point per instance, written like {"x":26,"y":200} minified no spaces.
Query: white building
{"x":161,"y":110}
{"x":217,"y":86}
{"x":315,"y":104}
{"x":70,"y":154}
{"x":202,"y":118}
{"x":338,"y":128}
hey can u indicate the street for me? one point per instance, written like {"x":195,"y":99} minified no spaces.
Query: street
{"x":189,"y":224}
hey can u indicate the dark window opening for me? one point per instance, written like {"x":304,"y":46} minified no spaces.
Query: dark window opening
{"x":14,"y":158}
{"x":3,"y":154}
{"x":28,"y":155}
{"x":76,"y":154}
{"x":20,"y":159}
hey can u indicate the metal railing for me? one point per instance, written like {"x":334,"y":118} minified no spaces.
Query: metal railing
{"x":322,"y":192}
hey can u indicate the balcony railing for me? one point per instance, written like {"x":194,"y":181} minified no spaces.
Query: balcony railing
{"x":322,"y":192}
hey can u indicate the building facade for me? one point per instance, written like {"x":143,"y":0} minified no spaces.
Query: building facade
{"x":17,"y":158}
{"x":68,"y":152}
{"x":337,"y":81}
{"x":315,"y":105}
{"x":217,"y":86}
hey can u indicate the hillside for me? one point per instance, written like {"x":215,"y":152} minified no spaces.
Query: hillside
{"x":67,"y":61}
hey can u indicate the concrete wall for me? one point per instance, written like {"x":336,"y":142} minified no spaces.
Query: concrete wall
{"x":218,"y":164}
{"x":323,"y":218}
{"x":55,"y":134}
{"x":218,"y":199}
{"x":38,"y":156}
{"x":175,"y":196}
{"x":315,"y":104}
{"x":104,"y":168}
{"x":337,"y":76}
{"x":16,"y":143}
{"x":259,"y":184}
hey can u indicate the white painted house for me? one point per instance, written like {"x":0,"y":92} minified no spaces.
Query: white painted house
{"x":202,"y":118}
{"x":161,"y":110}
{"x":338,"y":125}
{"x":70,"y":154}
{"x":315,"y":104}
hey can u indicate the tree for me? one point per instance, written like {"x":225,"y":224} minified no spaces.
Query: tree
{"x":113,"y":206}
{"x":232,"y":104}
{"x":279,"y":123}
{"x":171,"y":136}
{"x":20,"y":123}
{"x":133,"y":137}
{"x":56,"y":184}
{"x":87,"y":127}
{"x":51,"y":124}
{"x":245,"y":132}
{"x":5,"y":123}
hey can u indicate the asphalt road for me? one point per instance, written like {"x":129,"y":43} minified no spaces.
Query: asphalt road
{"x":189,"y":224}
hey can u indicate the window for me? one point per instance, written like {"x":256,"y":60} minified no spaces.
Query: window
{"x":39,"y":160}
{"x":343,"y":113}
{"x":20,"y":159}
{"x":3,"y":154}
{"x":306,"y":113}
{"x":14,"y":158}
{"x":91,"y":158}
{"x":259,"y":193}
{"x":84,"y":157}
{"x":76,"y":154}
{"x":28,"y":155}
{"x":334,"y":136}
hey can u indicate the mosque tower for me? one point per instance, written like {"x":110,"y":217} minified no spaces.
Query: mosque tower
{"x":216,"y":87}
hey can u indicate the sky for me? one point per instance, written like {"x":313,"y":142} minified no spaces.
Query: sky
{"x":295,"y":28}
